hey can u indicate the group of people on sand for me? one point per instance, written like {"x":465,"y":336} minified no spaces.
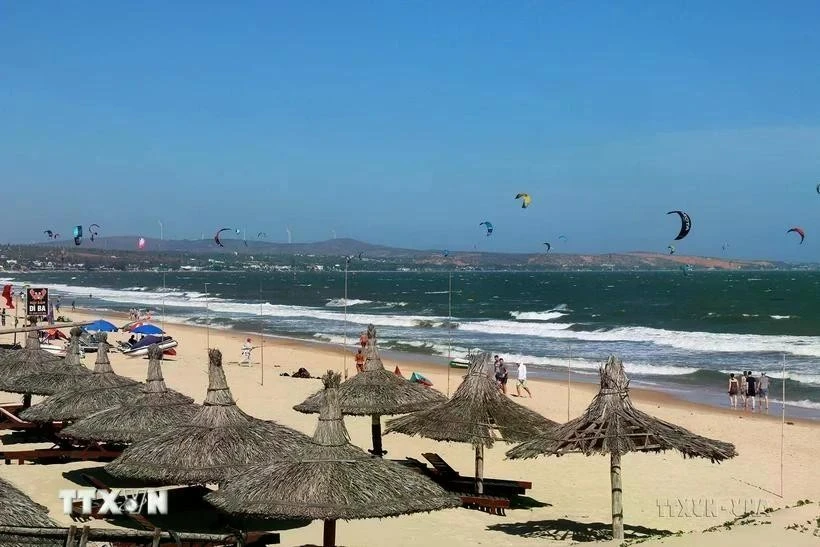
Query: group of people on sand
{"x":749,"y":388}
{"x":501,"y":375}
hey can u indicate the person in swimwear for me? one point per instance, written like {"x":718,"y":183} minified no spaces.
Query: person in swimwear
{"x":359,"y":361}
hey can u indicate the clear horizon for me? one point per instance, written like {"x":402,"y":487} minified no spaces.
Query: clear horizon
{"x":408,"y":125}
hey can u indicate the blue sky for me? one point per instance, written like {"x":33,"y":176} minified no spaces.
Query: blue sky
{"x":408,"y":123}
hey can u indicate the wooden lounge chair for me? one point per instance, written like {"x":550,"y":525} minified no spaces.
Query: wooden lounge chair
{"x":60,"y":454}
{"x":451,"y":479}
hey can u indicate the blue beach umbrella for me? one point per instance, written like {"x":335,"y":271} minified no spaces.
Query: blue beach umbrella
{"x":101,"y":325}
{"x":148,"y":329}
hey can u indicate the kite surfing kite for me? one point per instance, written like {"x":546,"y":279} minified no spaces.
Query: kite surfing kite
{"x":49,"y":233}
{"x":92,"y":231}
{"x":141,"y":243}
{"x":489,"y":226}
{"x":685,"y":224}
{"x":671,"y":249}
{"x":78,"y":235}
{"x":818,"y":188}
{"x":548,"y":246}
{"x":261,"y":235}
{"x":799,"y":231}
{"x":564,"y":238}
{"x":525,"y":200}
{"x":216,"y":236}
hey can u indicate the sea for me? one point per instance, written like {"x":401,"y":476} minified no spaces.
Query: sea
{"x":681,"y":333}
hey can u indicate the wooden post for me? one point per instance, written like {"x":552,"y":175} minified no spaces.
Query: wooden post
{"x":84,"y":537}
{"x":617,"y":499}
{"x":329,"y":538}
{"x":376,"y":432}
{"x":69,"y":540}
{"x":479,"y":468}
{"x":156,"y":538}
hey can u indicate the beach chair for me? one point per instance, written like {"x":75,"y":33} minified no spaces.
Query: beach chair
{"x":451,"y":479}
{"x":10,"y":422}
{"x":60,"y":454}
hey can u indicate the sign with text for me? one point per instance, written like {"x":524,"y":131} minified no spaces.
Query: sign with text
{"x":37,"y":301}
{"x":114,"y":502}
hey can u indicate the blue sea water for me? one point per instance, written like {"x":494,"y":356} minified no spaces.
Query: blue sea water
{"x":680,"y":333}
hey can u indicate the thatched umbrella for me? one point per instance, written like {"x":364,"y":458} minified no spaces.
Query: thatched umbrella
{"x":611,"y":425}
{"x":99,"y":390}
{"x":376,"y":392}
{"x":331,"y":479}
{"x":156,"y":408}
{"x":29,"y":359}
{"x":58,"y":375}
{"x":219,"y":440}
{"x":478,"y":414}
{"x":17,"y":509}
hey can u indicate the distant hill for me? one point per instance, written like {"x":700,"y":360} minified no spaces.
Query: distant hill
{"x":236,"y":250}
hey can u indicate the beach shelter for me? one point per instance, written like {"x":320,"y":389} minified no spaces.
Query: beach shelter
{"x":147,"y":328}
{"x":29,"y":359}
{"x":17,"y":509}
{"x":376,"y":392}
{"x":329,"y":479}
{"x":611,"y":425}
{"x":219,"y":440}
{"x":155,"y":409}
{"x":64,"y":374}
{"x":54,"y":334}
{"x":99,"y":390}
{"x":477,"y":414}
{"x":101,"y":325}
{"x":420,"y":379}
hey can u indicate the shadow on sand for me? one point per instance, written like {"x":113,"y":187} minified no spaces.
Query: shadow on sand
{"x":526,"y":502}
{"x":570,"y":530}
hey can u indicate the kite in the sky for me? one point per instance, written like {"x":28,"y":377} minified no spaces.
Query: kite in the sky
{"x":564,"y":238}
{"x":94,"y":233}
{"x":671,"y":249}
{"x":216,"y":236}
{"x":489,"y":226}
{"x":548,"y":246}
{"x":799,"y":231}
{"x":78,"y":235}
{"x":818,"y":188}
{"x":141,"y":243}
{"x":525,"y":200}
{"x":49,"y":233}
{"x":260,"y":235}
{"x":446,"y":253}
{"x":685,"y":224}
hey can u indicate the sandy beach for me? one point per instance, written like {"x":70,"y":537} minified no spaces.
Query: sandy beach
{"x":661,"y":491}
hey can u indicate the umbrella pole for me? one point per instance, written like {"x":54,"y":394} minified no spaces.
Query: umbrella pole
{"x":617,"y":500}
{"x":479,"y":469}
{"x":376,"y":432}
{"x":329,"y":537}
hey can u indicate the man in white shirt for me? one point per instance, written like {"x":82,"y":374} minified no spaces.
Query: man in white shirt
{"x":522,"y":380}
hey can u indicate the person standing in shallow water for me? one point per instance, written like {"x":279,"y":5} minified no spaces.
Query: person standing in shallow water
{"x":734,"y":388}
{"x":751,"y":389}
{"x":763,"y":390}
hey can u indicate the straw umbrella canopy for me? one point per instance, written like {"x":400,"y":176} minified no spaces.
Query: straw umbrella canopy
{"x":99,"y":390}
{"x":376,"y":392}
{"x":156,"y":408}
{"x":478,"y":414}
{"x":59,"y":375}
{"x":611,"y":425}
{"x":17,"y":509}
{"x":29,"y":359}
{"x":330,"y":479}
{"x":218,"y":441}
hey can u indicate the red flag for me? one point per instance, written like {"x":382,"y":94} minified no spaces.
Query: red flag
{"x":7,"y":296}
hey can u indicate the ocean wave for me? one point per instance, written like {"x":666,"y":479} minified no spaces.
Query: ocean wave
{"x":536,"y":315}
{"x":340,"y":302}
{"x":780,"y":316}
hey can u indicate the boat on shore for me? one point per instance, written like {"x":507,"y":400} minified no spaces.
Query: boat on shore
{"x":140,"y":349}
{"x":459,"y":362}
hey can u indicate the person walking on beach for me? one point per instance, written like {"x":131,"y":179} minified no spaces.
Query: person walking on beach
{"x":734,"y":387}
{"x":363,"y":339}
{"x":359,"y":361}
{"x":763,"y":390}
{"x":751,"y":389}
{"x":247,"y":347}
{"x":522,"y":380}
{"x":501,"y":375}
{"x":3,"y":317}
{"x":73,"y":305}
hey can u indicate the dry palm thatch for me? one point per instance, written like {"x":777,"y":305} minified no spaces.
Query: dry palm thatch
{"x":376,"y":392}
{"x":331,"y":479}
{"x":478,"y":414}
{"x":611,"y":425}
{"x":218,"y":441}
{"x":29,"y":359}
{"x":99,"y":390}
{"x":157,"y":408}
{"x":58,"y":376}
{"x":17,"y":509}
